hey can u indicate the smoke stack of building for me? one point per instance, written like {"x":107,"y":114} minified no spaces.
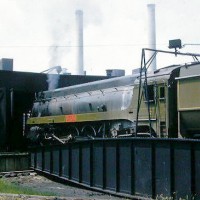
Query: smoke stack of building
{"x":79,"y":23}
{"x":152,"y":33}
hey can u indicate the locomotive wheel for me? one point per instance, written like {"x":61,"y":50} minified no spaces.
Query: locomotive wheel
{"x":88,"y":131}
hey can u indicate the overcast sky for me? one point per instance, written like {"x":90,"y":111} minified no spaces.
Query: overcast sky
{"x":115,"y":31}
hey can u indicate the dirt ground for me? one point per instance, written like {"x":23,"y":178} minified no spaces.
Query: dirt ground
{"x":60,"y":191}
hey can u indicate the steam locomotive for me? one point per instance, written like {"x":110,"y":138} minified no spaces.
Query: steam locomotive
{"x":169,"y":107}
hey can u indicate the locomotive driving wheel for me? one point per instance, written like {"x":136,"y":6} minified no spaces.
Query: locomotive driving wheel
{"x":88,"y":131}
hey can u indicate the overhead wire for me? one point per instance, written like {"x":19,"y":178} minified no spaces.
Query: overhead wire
{"x":73,"y":46}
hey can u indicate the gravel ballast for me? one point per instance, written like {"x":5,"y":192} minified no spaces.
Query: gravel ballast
{"x":59,"y":191}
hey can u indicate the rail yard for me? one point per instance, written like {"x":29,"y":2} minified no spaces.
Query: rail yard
{"x":135,"y":137}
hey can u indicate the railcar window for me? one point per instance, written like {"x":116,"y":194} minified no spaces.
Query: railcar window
{"x":162,"y":92}
{"x":150,"y":93}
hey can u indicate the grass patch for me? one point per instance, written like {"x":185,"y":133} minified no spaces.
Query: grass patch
{"x":12,"y":188}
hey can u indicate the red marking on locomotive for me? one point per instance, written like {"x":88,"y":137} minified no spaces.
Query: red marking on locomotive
{"x":70,"y":118}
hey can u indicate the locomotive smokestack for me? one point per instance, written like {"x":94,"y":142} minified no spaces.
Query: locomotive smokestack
{"x":79,"y":23}
{"x":152,"y":32}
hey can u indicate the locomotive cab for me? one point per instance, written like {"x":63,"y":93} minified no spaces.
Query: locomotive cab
{"x":160,"y":96}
